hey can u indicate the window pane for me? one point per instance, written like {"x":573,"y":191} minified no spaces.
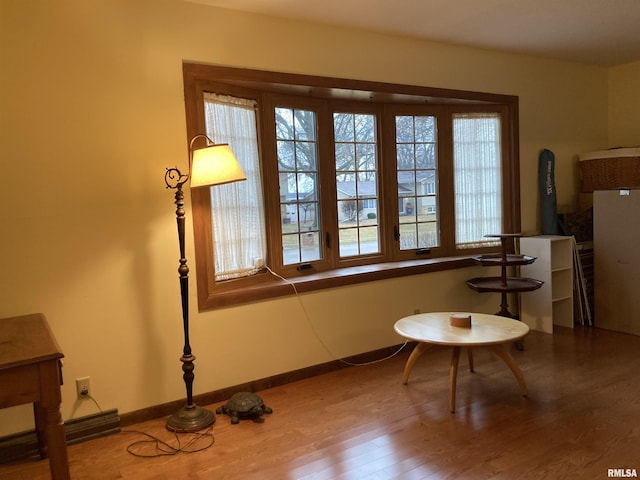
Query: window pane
{"x":310,"y":250}
{"x":404,"y":129}
{"x":299,"y":192}
{"x":306,"y":156}
{"x":477,"y":160}
{"x":345,"y":157}
{"x":366,"y":155}
{"x":417,"y":179}
{"x":239,"y":232}
{"x":356,"y":183}
{"x":427,"y":234}
{"x":359,"y":241}
{"x":286,"y":157}
{"x":344,"y":127}
{"x":365,"y":128}
{"x":406,"y":156}
{"x":305,"y":125}
{"x":425,"y":130}
{"x":291,"y":248}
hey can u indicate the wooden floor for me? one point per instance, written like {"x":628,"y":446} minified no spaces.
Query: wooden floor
{"x":581,"y":419}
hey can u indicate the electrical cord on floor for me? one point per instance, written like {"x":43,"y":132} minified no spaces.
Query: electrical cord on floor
{"x":164,"y":449}
{"x":160,"y":448}
{"x":315,"y":332}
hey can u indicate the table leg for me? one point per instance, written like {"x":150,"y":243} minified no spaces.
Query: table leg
{"x":49,"y":410}
{"x":470,"y":357}
{"x":419,"y":350}
{"x":453,"y":375}
{"x":502,"y":352}
{"x":40,"y":417}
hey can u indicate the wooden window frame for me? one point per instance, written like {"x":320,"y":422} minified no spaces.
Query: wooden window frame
{"x":199,"y":78}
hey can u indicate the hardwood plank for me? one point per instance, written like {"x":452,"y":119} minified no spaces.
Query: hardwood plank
{"x":361,"y":423}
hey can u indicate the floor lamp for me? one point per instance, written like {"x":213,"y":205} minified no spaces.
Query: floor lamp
{"x":215,"y":164}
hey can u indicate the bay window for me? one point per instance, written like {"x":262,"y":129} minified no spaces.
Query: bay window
{"x":348,"y":181}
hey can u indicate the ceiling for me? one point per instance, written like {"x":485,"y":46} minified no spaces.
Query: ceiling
{"x":601,"y":32}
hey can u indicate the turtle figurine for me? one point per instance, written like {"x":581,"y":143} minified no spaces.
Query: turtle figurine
{"x":244,"y":405}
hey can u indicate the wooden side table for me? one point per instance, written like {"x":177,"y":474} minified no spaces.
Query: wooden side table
{"x":30,"y":372}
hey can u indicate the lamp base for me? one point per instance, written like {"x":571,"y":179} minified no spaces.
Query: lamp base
{"x":190,"y":418}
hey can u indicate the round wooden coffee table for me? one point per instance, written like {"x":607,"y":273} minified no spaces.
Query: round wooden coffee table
{"x":487,"y":331}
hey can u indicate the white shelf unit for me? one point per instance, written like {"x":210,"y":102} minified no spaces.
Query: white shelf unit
{"x":552,"y":304}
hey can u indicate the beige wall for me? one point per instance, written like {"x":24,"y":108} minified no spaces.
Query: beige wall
{"x":92,"y":112}
{"x":624,"y":105}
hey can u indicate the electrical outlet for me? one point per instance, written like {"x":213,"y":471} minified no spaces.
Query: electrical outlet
{"x":83,"y":387}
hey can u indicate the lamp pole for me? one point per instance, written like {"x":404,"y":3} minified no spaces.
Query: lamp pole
{"x":215,"y":164}
{"x":191,"y":417}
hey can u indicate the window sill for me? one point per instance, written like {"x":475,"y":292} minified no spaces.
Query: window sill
{"x":266,"y":285}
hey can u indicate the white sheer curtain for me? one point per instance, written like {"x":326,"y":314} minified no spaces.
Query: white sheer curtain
{"x":478,"y":181}
{"x":239,"y":238}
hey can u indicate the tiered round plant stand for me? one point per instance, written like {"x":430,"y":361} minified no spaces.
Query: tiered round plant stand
{"x":504,"y":284}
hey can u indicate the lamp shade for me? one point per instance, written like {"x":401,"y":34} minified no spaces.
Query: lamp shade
{"x":215,"y":165}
